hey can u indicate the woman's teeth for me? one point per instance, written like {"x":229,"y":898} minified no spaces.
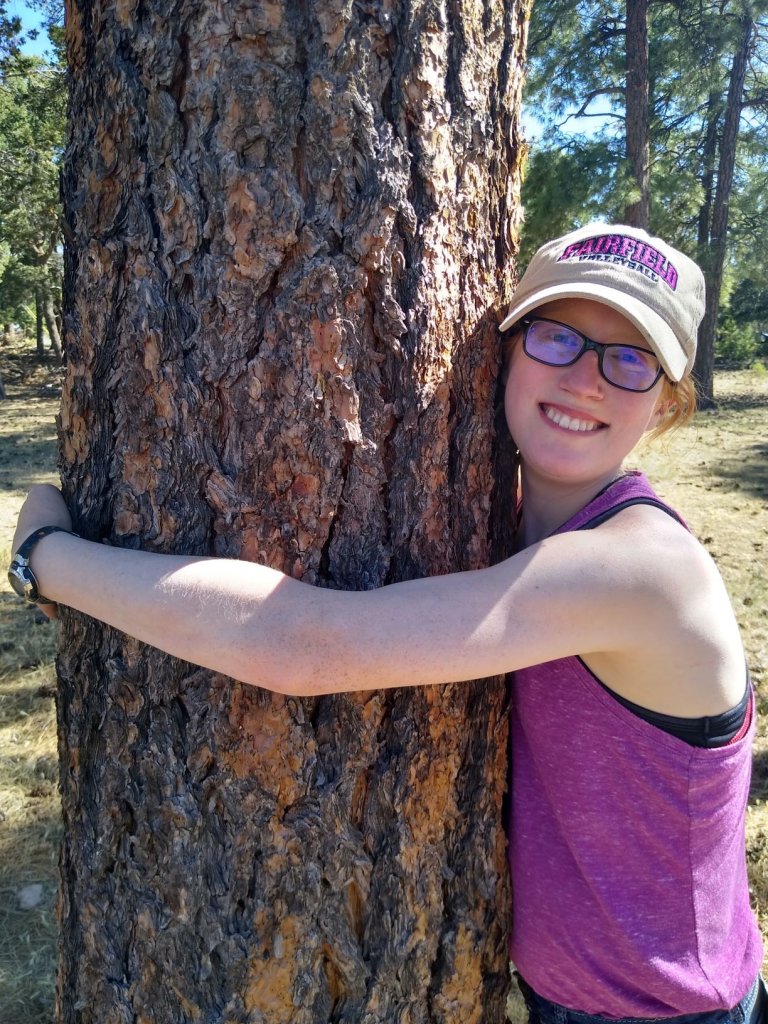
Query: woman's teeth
{"x":567,"y":423}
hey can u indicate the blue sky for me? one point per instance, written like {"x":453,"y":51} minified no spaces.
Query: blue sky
{"x":534,"y":130}
{"x":30,"y":19}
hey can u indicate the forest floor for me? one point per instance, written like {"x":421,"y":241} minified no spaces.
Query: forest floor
{"x":714,"y":471}
{"x":30,"y":825}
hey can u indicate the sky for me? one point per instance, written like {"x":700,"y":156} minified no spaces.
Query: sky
{"x":534,"y":130}
{"x":30,"y":19}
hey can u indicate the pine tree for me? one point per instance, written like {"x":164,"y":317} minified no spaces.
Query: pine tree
{"x":289,"y":231}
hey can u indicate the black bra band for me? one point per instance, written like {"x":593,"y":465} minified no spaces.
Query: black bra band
{"x":714,"y":731}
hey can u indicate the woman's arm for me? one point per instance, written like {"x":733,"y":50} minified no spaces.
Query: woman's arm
{"x":575,"y":593}
{"x":209,"y":611}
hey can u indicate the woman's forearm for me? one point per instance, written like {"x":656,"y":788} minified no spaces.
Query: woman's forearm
{"x":256,"y":624}
{"x":242,"y":619}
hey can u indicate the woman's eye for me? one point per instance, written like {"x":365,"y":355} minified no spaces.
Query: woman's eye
{"x":627,"y":357}
{"x":565,"y":339}
{"x":631,"y":357}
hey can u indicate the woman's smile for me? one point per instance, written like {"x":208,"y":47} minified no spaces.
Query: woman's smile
{"x":573,"y":421}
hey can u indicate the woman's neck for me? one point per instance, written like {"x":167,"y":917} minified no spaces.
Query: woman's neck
{"x":547,"y":504}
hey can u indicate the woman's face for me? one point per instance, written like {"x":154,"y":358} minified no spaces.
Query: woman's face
{"x":570,"y":424}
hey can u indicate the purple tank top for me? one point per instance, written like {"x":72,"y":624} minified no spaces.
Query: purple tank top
{"x":627,"y":850}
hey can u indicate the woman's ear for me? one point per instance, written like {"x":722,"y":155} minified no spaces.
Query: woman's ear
{"x":665,"y":408}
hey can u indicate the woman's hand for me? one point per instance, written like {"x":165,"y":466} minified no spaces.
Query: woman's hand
{"x":43,"y":506}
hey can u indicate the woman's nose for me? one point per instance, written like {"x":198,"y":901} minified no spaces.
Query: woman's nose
{"x":583,"y":376}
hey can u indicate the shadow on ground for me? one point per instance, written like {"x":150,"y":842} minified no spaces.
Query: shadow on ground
{"x":759,"y":788}
{"x":747,"y":473}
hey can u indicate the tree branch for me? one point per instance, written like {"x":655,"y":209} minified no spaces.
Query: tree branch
{"x":582,"y":111}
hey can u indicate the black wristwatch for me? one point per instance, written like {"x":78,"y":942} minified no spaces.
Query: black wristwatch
{"x":20,"y":574}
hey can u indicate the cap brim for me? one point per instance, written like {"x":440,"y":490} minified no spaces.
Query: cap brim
{"x":653,"y":328}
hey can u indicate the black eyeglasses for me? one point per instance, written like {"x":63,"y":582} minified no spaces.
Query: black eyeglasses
{"x":554,"y":344}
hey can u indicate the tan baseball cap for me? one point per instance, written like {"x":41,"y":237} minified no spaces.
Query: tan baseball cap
{"x":658,"y":288}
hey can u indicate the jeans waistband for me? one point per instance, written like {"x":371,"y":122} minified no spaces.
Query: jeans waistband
{"x":752,"y":1009}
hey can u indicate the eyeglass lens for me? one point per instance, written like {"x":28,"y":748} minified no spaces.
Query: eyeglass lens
{"x":625,"y":366}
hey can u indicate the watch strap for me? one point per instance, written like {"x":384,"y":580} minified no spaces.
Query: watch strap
{"x":26,"y":547}
{"x":20,"y":560}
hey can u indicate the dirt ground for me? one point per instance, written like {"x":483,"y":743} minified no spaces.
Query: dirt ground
{"x":714,"y":471}
{"x":29,"y":804}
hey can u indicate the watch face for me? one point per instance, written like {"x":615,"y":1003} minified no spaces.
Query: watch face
{"x":22,"y":581}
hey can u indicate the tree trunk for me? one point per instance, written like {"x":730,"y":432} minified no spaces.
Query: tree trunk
{"x":49,"y":315}
{"x":708,"y":165}
{"x":39,"y":338}
{"x":715,"y":257}
{"x":290,"y":229}
{"x":637,"y":211}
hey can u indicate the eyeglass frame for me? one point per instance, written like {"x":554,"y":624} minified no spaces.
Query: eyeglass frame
{"x":588,"y":345}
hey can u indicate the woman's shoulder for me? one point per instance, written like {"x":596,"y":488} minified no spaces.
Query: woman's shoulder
{"x":689,"y":658}
{"x":660,"y":559}
{"x":657,"y":534}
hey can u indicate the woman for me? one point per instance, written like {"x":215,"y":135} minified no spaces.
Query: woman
{"x":632,"y":714}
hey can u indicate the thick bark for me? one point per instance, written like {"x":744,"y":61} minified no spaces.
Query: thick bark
{"x":715,"y":256}
{"x":637,"y":212}
{"x":290,"y":227}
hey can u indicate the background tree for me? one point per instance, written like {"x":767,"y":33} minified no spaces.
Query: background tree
{"x":742,"y":324}
{"x":32,"y":124}
{"x":578,"y":70}
{"x":11,"y":36}
{"x":714,"y":228}
{"x":638,"y":209}
{"x":703,"y":146}
{"x":289,"y":230}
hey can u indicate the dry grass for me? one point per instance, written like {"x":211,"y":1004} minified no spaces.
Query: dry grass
{"x":715,"y":472}
{"x":29,"y":804}
{"x":29,"y":837}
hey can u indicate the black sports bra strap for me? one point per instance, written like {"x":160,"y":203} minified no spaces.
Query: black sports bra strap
{"x":609,"y":513}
